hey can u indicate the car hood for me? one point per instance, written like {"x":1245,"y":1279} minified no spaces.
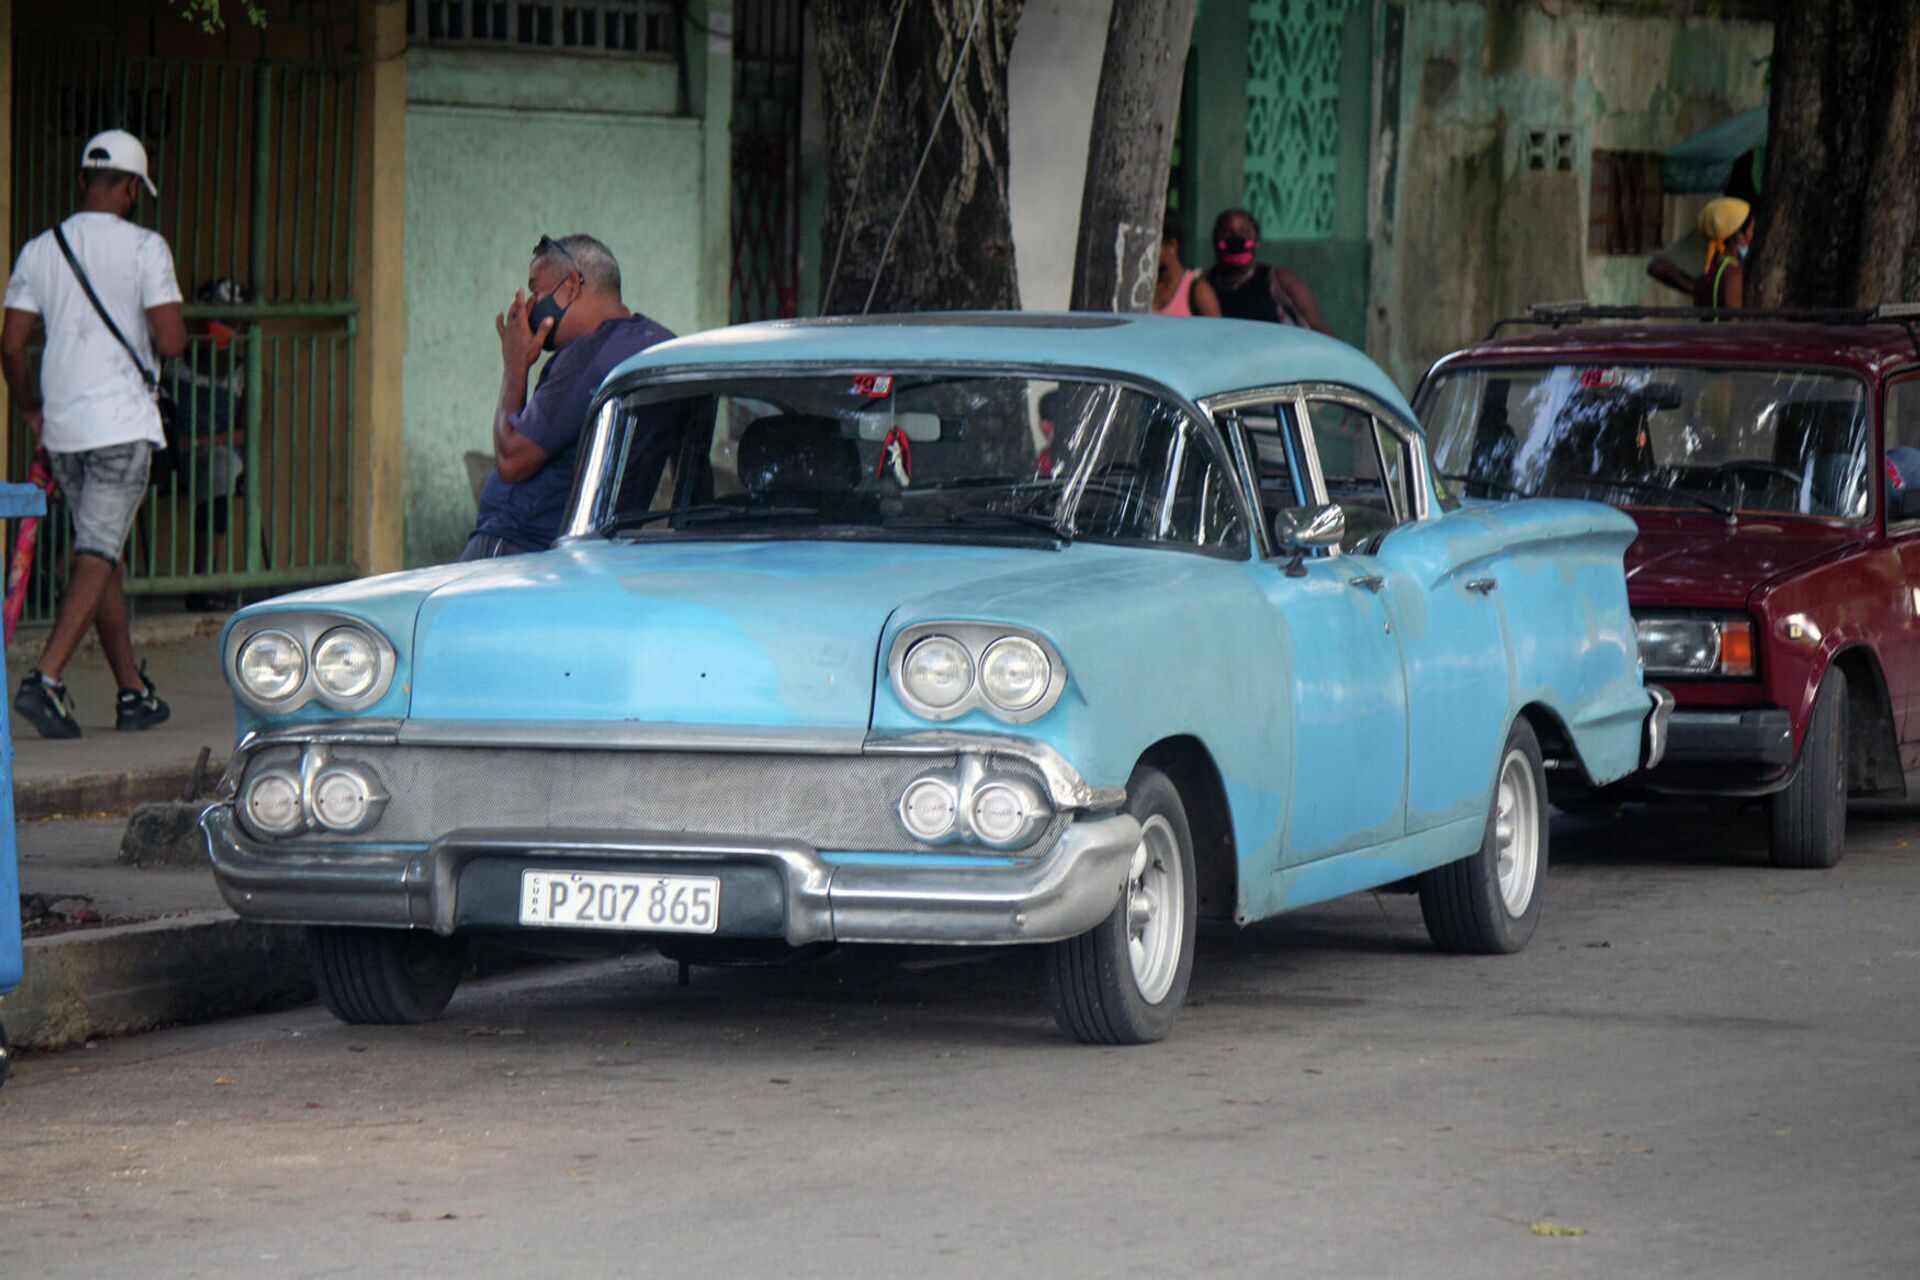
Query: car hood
{"x":1708,"y":565}
{"x":775,"y":635}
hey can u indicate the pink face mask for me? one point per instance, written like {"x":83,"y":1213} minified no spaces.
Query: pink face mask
{"x":1235,"y":251}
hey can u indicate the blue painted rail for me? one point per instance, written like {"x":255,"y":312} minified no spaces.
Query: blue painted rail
{"x":16,"y":500}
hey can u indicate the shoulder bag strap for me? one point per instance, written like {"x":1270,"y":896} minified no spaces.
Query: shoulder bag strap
{"x":146,"y":375}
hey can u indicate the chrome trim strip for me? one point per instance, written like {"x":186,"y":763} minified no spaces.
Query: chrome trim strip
{"x":626,"y":735}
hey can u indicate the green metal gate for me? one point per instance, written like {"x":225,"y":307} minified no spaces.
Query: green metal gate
{"x":254,"y":158}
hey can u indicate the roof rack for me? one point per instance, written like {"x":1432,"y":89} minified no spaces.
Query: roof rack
{"x":1555,"y":314}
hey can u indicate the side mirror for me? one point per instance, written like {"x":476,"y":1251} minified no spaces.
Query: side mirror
{"x":1298,"y":529}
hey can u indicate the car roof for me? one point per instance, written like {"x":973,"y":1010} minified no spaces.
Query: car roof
{"x":1194,"y":357}
{"x":1873,"y":350}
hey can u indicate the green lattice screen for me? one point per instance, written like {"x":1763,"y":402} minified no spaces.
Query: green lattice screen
{"x":1293,"y":114}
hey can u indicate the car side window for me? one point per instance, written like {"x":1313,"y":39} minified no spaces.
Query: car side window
{"x":1270,"y":444}
{"x":1158,"y":478}
{"x":1903,"y":451}
{"x":1365,"y":467}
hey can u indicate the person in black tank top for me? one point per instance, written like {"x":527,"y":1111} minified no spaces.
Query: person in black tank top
{"x":1250,"y":290}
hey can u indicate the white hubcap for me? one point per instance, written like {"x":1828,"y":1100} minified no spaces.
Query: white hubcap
{"x":1516,"y":833}
{"x":1156,"y":902}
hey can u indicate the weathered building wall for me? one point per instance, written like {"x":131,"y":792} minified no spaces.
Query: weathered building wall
{"x":502,"y":148}
{"x":1463,"y":229}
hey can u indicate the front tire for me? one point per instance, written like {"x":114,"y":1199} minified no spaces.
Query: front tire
{"x":1124,"y":980}
{"x":1488,"y":903}
{"x":385,"y":977}
{"x":1810,"y":816}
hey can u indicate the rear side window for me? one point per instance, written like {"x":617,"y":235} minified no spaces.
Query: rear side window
{"x":1903,"y":448}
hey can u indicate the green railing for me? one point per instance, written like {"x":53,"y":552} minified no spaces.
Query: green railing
{"x":255,"y":163}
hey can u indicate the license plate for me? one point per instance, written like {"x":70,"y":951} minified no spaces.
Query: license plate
{"x":617,"y":900}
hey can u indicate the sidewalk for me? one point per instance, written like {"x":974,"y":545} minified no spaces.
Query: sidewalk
{"x":106,"y":771}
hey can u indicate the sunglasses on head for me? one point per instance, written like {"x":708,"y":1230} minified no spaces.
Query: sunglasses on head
{"x":549,"y":245}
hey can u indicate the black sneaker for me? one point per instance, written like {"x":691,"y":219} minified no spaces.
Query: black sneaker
{"x":140,"y":708}
{"x":47,"y":704}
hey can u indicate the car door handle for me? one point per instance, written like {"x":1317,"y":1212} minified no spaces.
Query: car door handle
{"x":1484,"y":586}
{"x":1372,"y":582}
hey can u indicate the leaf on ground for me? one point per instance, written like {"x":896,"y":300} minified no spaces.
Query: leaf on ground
{"x":225,"y":1080}
{"x":1556,"y":1229}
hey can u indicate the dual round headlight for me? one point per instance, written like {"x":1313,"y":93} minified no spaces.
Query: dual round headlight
{"x":1013,"y":674}
{"x":272,"y":666}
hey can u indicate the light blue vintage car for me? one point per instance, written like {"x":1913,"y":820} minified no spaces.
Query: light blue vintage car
{"x":1067,"y":630}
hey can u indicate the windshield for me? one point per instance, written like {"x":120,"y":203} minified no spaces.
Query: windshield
{"x":1725,"y":440}
{"x":951,"y":456}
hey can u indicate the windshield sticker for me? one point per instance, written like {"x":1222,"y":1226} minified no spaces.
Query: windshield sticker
{"x":873,"y":386}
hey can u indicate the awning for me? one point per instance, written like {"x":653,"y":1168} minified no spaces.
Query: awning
{"x":1702,"y":164}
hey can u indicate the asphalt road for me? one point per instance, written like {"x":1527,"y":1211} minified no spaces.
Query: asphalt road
{"x":1708,"y":1067}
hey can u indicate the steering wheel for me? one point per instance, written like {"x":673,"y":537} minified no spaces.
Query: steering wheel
{"x":1793,"y":478}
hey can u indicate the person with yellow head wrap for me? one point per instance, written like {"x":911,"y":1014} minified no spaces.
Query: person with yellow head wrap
{"x":1727,"y":226}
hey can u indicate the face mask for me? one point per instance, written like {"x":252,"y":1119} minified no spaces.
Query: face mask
{"x":1235,"y":251}
{"x":543,"y":310}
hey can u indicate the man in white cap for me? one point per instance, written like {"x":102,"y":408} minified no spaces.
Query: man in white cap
{"x":93,"y":408}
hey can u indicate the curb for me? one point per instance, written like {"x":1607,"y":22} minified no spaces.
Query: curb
{"x":124,"y":978}
{"x":106,"y":793}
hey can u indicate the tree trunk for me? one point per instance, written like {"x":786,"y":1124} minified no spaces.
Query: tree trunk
{"x":1125,"y":196}
{"x":1840,"y":214}
{"x":953,"y":248}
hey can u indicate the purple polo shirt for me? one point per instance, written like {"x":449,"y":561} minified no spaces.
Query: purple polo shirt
{"x":529,"y":513}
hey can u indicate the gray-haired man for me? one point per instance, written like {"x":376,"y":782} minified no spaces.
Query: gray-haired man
{"x":571,"y":306}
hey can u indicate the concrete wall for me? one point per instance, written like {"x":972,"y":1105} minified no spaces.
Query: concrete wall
{"x":1053,"y":72}
{"x":502,"y":148}
{"x":1462,"y":231}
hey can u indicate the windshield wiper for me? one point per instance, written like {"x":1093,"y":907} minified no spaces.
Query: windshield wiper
{"x":985,"y":515}
{"x":701,"y":512}
{"x":1485,"y":484}
{"x":1658,"y":490}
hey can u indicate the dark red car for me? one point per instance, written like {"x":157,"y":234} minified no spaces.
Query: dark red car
{"x":1772,"y":463}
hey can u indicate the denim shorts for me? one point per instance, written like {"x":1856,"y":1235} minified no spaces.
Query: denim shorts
{"x":103,"y":489}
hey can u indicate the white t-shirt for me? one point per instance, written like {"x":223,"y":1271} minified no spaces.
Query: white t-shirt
{"x":93,"y":395}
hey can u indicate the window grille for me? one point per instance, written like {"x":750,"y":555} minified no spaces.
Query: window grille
{"x":616,"y":28}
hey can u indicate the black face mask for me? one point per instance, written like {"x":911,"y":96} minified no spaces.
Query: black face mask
{"x":547,"y":309}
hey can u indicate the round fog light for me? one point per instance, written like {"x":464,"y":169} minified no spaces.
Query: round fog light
{"x":928,"y":808}
{"x":341,"y":800}
{"x":1000,"y":813}
{"x":273,"y":804}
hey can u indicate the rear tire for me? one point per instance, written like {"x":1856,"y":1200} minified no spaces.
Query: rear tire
{"x":1488,"y":902}
{"x":1810,"y":816}
{"x":385,"y":977}
{"x":1124,"y":980}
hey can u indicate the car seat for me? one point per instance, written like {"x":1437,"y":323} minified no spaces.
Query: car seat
{"x":798,"y":456}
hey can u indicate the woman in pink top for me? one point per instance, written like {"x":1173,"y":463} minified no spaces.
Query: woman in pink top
{"x":1178,"y":291}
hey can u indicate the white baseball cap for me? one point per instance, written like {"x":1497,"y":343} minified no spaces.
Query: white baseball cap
{"x":118,"y":149}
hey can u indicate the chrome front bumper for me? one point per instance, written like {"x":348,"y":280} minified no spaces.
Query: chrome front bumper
{"x":1061,"y":894}
{"x":1654,"y":747}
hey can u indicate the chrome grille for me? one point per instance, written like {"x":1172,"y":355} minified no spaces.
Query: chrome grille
{"x":832,"y":802}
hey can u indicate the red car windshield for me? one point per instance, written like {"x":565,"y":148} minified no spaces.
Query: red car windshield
{"x":1763,"y":440}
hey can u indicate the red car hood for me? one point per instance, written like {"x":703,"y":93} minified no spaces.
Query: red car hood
{"x":1707,"y":565}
